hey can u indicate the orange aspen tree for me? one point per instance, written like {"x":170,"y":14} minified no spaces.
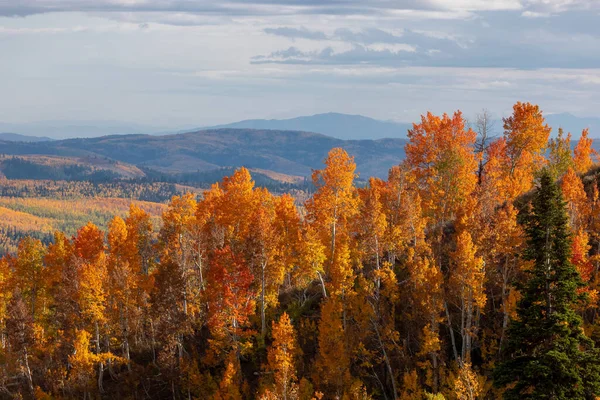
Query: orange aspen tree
{"x":580,"y":258}
{"x":230,"y":303}
{"x":582,"y":154}
{"x":332,"y":367}
{"x":440,"y":152}
{"x":520,"y":153}
{"x":229,"y":386}
{"x":574,"y":194}
{"x":282,"y":358}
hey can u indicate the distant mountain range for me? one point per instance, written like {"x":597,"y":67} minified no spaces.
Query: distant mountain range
{"x":71,"y":129}
{"x":336,"y":125}
{"x":291,"y":153}
{"x":340,"y":126}
{"x":573,"y":124}
{"x":15,"y":137}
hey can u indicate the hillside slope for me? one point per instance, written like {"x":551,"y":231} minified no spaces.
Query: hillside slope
{"x":287,"y":152}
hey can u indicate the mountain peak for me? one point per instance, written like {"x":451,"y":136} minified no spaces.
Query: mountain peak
{"x":334,"y":124}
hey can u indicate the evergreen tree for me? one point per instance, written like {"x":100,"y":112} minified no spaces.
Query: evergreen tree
{"x":548,"y":355}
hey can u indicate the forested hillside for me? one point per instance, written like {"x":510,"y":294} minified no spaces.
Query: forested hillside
{"x":470,"y":272}
{"x":285,"y":152}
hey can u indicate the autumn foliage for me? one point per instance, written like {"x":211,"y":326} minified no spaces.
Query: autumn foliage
{"x":399,"y":289}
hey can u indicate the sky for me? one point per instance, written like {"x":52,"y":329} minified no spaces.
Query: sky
{"x":178,"y":63}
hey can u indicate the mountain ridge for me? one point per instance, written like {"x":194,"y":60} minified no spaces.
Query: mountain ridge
{"x":288,"y":152}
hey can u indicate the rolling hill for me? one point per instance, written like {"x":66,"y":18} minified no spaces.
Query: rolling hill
{"x":285,"y":152}
{"x":292,"y":153}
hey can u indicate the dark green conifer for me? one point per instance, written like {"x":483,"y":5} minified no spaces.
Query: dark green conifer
{"x":548,"y":355}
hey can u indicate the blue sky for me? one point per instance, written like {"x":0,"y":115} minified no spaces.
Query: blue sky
{"x":192,"y":63}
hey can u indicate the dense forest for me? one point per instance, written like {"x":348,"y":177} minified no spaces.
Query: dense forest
{"x":470,"y":273}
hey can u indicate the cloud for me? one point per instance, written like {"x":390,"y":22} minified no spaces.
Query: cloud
{"x":296,"y":33}
{"x":285,"y":7}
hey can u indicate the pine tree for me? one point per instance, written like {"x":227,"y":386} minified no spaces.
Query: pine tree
{"x":548,"y":355}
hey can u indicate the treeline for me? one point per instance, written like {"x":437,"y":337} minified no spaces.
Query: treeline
{"x":157,"y":192}
{"x":19,"y":168}
{"x":204,"y":179}
{"x":464,"y":275}
{"x":41,"y":217}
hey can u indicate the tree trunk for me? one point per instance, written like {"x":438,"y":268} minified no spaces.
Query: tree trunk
{"x":386,"y":359}
{"x":101,"y":364}
{"x":452,"y":339}
{"x":263,"y":322}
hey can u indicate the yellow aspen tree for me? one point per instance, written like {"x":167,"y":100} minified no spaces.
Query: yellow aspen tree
{"x":467,"y":282}
{"x":330,"y":210}
{"x":122,"y":284}
{"x":288,"y":231}
{"x":371,"y":222}
{"x":467,"y":385}
{"x":427,"y":284}
{"x":312,"y":257}
{"x":29,"y":275}
{"x":176,"y":241}
{"x":235,"y":208}
{"x":139,"y":240}
{"x":559,"y":157}
{"x":262,"y":247}
{"x":91,"y":258}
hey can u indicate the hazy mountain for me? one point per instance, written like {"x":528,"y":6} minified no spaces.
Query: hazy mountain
{"x":287,"y":152}
{"x":15,"y":137}
{"x":71,"y":129}
{"x":340,"y":126}
{"x":573,"y":124}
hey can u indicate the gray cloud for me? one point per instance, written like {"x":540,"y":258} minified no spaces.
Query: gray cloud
{"x":296,"y":33}
{"x":289,"y":7}
{"x":496,"y":39}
